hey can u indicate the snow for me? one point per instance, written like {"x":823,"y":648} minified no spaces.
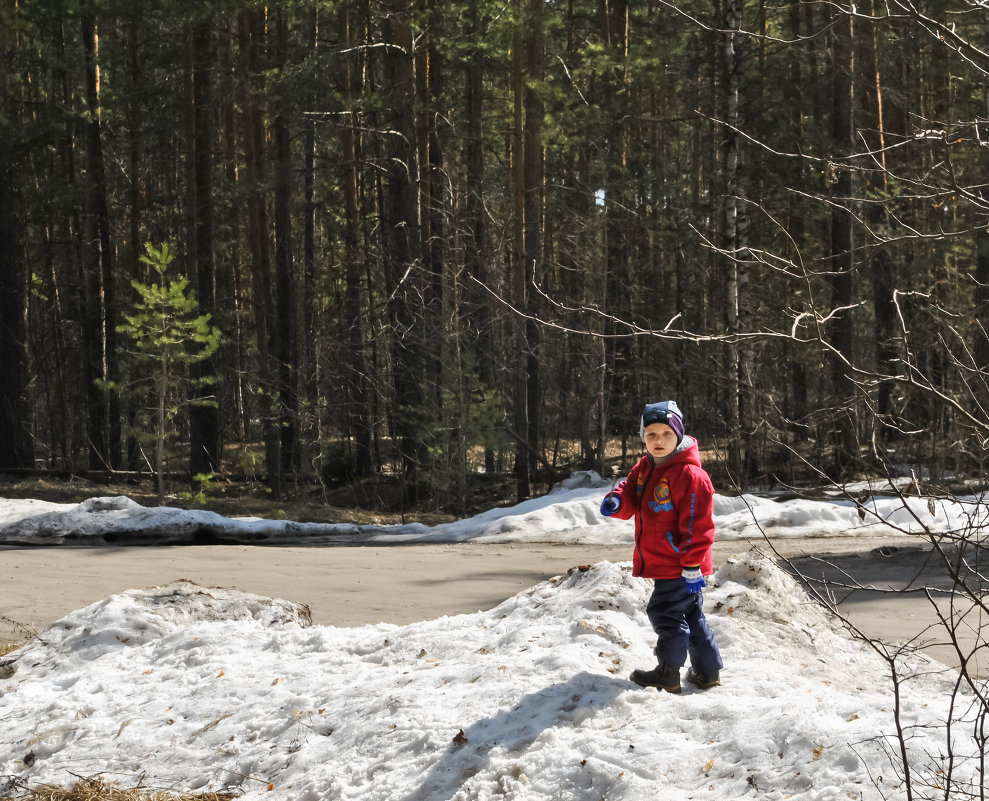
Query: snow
{"x":568,"y":514}
{"x":193,"y":688}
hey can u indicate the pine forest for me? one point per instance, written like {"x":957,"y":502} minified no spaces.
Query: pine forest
{"x":451,"y":247}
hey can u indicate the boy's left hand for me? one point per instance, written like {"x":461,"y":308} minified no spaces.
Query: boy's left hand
{"x":611,"y":504}
{"x":692,"y":576}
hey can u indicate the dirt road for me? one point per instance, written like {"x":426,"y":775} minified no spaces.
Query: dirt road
{"x":354,"y":586}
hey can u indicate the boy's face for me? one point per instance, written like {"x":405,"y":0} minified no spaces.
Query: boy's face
{"x":660,"y":439}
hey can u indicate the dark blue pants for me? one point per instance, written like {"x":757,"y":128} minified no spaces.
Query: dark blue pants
{"x":677,"y":617}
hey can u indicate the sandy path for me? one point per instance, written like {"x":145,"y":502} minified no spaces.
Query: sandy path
{"x":353,"y":586}
{"x":343,"y":586}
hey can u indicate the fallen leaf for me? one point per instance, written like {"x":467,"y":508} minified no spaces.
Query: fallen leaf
{"x":460,"y":738}
{"x":818,"y":752}
{"x":221,"y":673}
{"x":708,"y":766}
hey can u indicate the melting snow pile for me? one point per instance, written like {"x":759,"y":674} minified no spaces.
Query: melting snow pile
{"x":569,"y":514}
{"x":190,"y":688}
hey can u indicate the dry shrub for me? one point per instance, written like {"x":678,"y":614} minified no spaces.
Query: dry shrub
{"x":97,"y":790}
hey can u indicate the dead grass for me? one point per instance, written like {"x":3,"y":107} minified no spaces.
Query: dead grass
{"x":9,"y":646}
{"x":98,"y":790}
{"x":15,"y":635}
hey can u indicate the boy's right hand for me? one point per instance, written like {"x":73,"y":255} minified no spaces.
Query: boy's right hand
{"x":611,"y":504}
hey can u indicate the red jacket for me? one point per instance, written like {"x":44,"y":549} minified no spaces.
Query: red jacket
{"x":673,"y":508}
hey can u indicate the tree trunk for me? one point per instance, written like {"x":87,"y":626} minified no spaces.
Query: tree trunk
{"x":15,"y":442}
{"x":161,"y":430}
{"x":252,"y":34}
{"x":521,"y":49}
{"x":433,"y":201}
{"x":204,"y":419}
{"x":879,"y":261}
{"x":69,"y":229}
{"x":309,"y":368}
{"x":613,"y":22}
{"x":132,"y":265}
{"x":285,"y":317}
{"x":447,"y":394}
{"x":982,"y":313}
{"x":477,"y":311}
{"x":400,"y":231}
{"x":357,"y":380}
{"x":101,"y":314}
{"x":841,"y":329}
{"x":736,"y":233}
{"x":533,"y":177}
{"x":586,"y":363}
{"x":795,"y":396}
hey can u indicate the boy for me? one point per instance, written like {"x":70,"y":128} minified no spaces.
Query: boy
{"x":672,"y":498}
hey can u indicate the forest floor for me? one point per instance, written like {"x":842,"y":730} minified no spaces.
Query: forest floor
{"x":229,"y":498}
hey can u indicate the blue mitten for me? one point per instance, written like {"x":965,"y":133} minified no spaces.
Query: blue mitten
{"x":692,"y":576}
{"x":611,"y":504}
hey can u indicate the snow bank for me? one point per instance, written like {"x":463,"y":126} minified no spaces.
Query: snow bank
{"x":191,"y":688}
{"x":568,"y":514}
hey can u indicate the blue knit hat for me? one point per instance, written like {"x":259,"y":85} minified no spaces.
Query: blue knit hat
{"x":662,"y":412}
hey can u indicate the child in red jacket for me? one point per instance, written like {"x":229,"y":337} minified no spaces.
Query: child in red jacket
{"x":672,"y":498}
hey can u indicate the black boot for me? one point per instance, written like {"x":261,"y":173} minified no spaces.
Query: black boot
{"x":662,"y":677}
{"x":704,"y":680}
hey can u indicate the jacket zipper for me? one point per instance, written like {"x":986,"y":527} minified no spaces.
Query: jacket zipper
{"x":638,"y":521}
